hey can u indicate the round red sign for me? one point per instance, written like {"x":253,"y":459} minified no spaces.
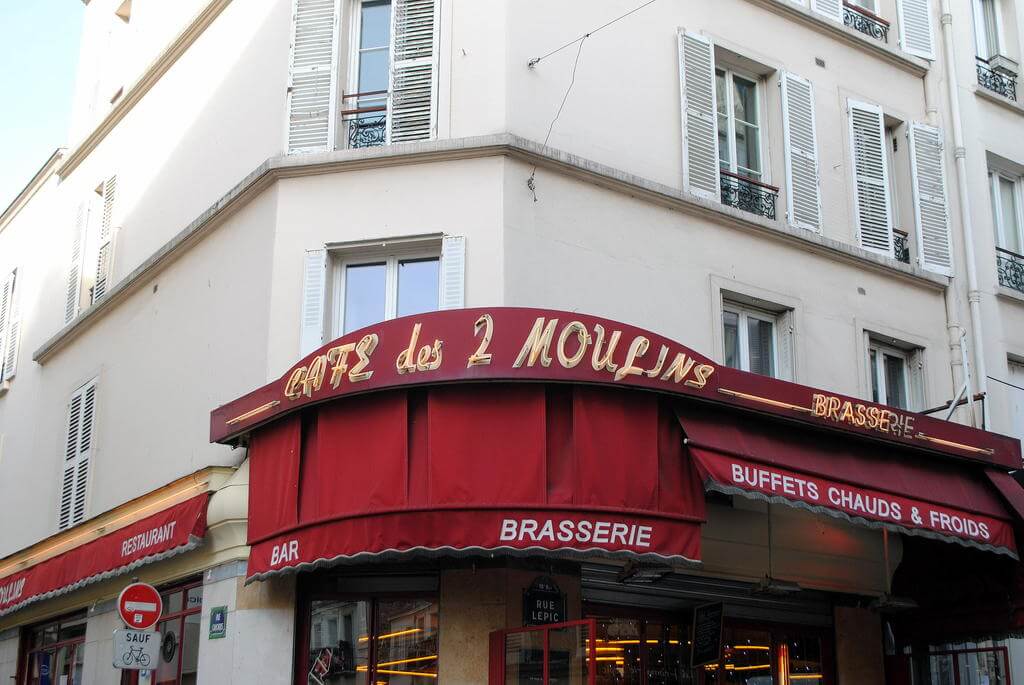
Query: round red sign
{"x":140,"y":606}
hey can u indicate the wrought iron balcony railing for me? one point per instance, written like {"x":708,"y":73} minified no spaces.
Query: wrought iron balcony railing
{"x":747,"y":194}
{"x":1010,"y":266}
{"x":860,"y":19}
{"x":900,"y":246}
{"x":997,"y":81}
{"x":366,"y":126}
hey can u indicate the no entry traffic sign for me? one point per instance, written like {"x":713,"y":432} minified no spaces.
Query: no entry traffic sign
{"x":140,"y":606}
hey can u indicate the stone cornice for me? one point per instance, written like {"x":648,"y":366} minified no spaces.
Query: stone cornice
{"x":506,"y":145}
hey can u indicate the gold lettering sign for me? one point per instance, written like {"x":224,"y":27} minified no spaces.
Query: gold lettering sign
{"x":862,"y":415}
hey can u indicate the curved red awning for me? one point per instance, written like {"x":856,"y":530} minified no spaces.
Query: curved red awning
{"x":570,"y":471}
{"x":867,"y":484}
{"x":174,"y":530}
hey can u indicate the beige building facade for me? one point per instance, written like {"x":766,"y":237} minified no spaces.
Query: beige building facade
{"x":825,"y":192}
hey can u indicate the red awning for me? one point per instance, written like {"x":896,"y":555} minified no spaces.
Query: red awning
{"x":875,"y":486}
{"x":172,"y":531}
{"x":461,"y":470}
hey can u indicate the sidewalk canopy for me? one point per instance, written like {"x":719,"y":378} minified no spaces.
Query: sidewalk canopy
{"x":171,"y":531}
{"x":875,"y":485}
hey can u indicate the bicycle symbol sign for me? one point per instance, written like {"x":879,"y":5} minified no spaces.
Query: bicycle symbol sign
{"x":136,"y":649}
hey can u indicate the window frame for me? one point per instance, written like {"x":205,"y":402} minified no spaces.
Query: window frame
{"x":316,"y":591}
{"x":352,"y":55}
{"x":26,"y":649}
{"x":745,"y":312}
{"x":995,"y":195}
{"x":391,"y":254}
{"x":876,"y":372}
{"x":730,"y":73}
{"x":981,"y":36}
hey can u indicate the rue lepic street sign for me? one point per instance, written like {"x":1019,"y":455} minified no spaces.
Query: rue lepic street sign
{"x":136,"y":649}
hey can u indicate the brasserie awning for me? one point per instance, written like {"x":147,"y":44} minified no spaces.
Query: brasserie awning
{"x":866,"y":483}
{"x":174,"y":530}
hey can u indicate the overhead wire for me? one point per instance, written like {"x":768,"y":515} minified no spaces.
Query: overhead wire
{"x":530,"y":182}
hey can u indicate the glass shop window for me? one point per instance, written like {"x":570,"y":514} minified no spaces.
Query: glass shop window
{"x":761,"y":656}
{"x":379,"y":641}
{"x":54,"y":652}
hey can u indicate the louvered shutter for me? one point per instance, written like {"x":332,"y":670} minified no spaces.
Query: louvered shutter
{"x":77,"y":452}
{"x":9,"y":360}
{"x":833,"y":9}
{"x":700,"y":117}
{"x":72,"y":301}
{"x":872,"y":205}
{"x":314,"y":278}
{"x":928,"y":171}
{"x":6,"y":300}
{"x":104,"y":253}
{"x":453,"y":273}
{"x":312,"y":76}
{"x":916,"y":27}
{"x":803,"y":191}
{"x":411,"y":110}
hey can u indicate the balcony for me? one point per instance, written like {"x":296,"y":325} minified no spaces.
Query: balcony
{"x":997,"y":78}
{"x":1010,"y":266}
{"x":747,"y":194}
{"x":901,"y":246}
{"x":869,"y":24}
{"x":366,"y":126}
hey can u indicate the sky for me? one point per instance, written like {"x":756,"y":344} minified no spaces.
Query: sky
{"x":38,"y":57}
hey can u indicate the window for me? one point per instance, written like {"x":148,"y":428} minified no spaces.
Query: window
{"x":872,"y":199}
{"x":382,"y":101}
{"x":1006,"y":211}
{"x":369,"y":80}
{"x":986,"y":29}
{"x":54,"y":652}
{"x":739,"y":133}
{"x":179,"y":629}
{"x":889,"y":369}
{"x":749,"y":339}
{"x":78,"y":448}
{"x":372,"y":640}
{"x":374,"y":288}
{"x":358,"y":285}
{"x":10,"y":325}
{"x":92,"y":247}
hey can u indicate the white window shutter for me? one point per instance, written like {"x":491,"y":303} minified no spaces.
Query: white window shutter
{"x":9,"y":360}
{"x":700,"y":116}
{"x":77,"y":452}
{"x":872,"y":204}
{"x":928,"y":171}
{"x":916,"y":27}
{"x":72,"y":301}
{"x":314,"y":279}
{"x":785,"y":334}
{"x":104,"y":253}
{"x":833,"y":9}
{"x":6,"y":305}
{"x":453,"y":273}
{"x":412,"y":112}
{"x":803,"y":190}
{"x":312,"y":75}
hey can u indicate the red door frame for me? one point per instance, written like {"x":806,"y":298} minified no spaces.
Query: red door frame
{"x":497,"y":649}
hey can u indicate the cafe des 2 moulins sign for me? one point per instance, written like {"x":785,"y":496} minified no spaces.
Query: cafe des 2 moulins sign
{"x":521,"y":344}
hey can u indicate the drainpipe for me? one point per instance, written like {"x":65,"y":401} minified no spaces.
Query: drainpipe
{"x":960,"y":152}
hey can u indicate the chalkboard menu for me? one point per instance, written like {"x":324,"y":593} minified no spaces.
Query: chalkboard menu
{"x":543,"y":603}
{"x":707,"y":634}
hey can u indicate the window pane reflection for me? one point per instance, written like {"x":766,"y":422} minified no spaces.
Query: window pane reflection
{"x":731,"y":342}
{"x":417,"y":286}
{"x":406,"y":636}
{"x":805,"y":664}
{"x":365,"y":287}
{"x":339,"y":643}
{"x":618,"y":651}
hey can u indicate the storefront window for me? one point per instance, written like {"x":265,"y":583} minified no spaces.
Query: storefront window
{"x":641,"y":652}
{"x":55,"y":652}
{"x":400,"y":649}
{"x":179,"y":628}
